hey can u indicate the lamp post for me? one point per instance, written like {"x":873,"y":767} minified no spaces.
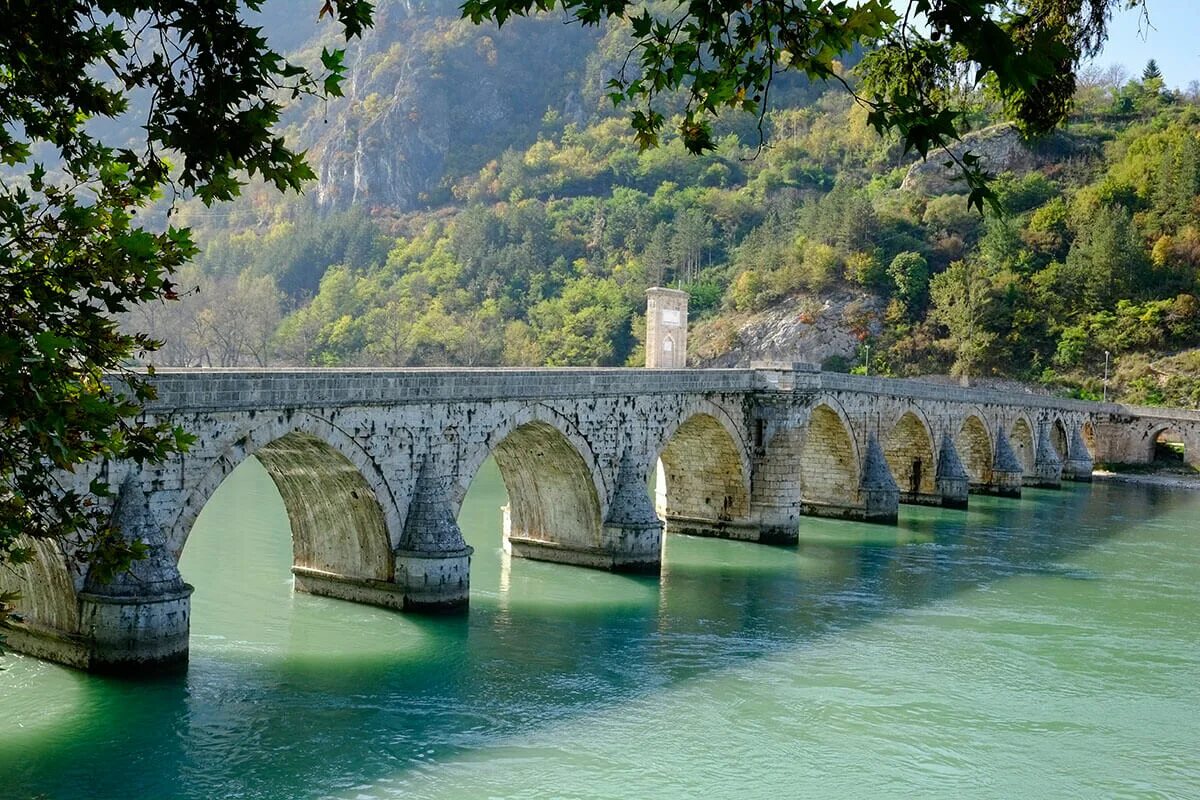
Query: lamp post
{"x":867,"y":360}
{"x":1106,"y":376}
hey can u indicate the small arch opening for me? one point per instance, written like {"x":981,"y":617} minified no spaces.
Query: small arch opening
{"x":1058,"y":437}
{"x":1169,"y":448}
{"x":1089,"y":438}
{"x":295,"y":508}
{"x":337,"y":524}
{"x":551,"y":494}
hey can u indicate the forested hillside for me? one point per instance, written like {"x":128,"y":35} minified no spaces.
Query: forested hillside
{"x":480,"y":203}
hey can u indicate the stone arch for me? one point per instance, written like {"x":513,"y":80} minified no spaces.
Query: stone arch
{"x":1024,"y":444}
{"x":555,"y":490}
{"x":909,"y":450}
{"x":1167,"y":442}
{"x":343,"y":516}
{"x":974,"y":445}
{"x":1060,"y":438}
{"x":703,"y":472}
{"x":718,"y":414}
{"x":48,"y":603}
{"x":468,"y":461}
{"x":830,"y":461}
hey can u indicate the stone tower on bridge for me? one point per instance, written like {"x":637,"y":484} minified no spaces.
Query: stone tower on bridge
{"x":666,"y":328}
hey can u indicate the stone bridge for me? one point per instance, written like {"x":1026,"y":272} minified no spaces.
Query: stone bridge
{"x":373,"y":467}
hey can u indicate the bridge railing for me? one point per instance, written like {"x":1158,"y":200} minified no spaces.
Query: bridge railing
{"x":924,"y":390}
{"x":233,"y":389}
{"x":802,"y":378}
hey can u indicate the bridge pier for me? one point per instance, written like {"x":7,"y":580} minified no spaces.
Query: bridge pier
{"x":740,"y":530}
{"x":1077,"y":463}
{"x":775,"y":505}
{"x":432,"y":564}
{"x":779,"y":525}
{"x":138,"y":622}
{"x":130,"y":630}
{"x":1048,"y":467}
{"x":1007,"y":473}
{"x":878,"y":490}
{"x":623,"y":550}
{"x":875,"y":499}
{"x":953,"y":482}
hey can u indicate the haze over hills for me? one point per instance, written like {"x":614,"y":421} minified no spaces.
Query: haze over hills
{"x":480,"y":202}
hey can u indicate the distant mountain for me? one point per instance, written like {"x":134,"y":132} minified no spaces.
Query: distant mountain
{"x":431,"y":95}
{"x":479,"y":201}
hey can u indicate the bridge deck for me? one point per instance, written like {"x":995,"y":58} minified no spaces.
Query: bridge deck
{"x":229,"y":389}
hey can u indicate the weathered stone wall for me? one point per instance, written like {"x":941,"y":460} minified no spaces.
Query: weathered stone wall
{"x":337,"y":524}
{"x":829,"y":462}
{"x":703,"y":482}
{"x":974,"y":444}
{"x":1128,"y":434}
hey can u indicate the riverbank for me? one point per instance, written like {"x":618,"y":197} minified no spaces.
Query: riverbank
{"x":1173,"y":480}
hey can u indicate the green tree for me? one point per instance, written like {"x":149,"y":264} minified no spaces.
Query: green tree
{"x":690,"y":242}
{"x":587,"y":326}
{"x":656,"y":258}
{"x":1177,"y":181}
{"x":74,"y":254}
{"x":961,"y":298}
{"x":1106,"y":262}
{"x":910,"y":273}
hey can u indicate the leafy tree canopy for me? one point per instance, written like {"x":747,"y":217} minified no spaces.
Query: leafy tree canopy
{"x":72,"y":251}
{"x":725,"y":54}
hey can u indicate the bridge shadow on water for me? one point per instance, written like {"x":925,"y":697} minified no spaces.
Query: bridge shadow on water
{"x":320,"y":723}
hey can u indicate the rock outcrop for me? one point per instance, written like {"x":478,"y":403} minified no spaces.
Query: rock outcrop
{"x":1001,"y":148}
{"x":808,"y":328}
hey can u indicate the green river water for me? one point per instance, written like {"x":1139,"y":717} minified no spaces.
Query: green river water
{"x":1041,"y":648}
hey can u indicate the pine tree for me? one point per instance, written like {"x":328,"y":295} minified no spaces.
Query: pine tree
{"x":1107,"y":261}
{"x":1151,"y":72}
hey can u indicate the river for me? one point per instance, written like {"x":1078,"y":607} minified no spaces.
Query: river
{"x":1042,"y":648}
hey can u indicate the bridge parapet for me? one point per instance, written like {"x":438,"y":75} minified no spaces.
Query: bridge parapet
{"x":229,"y":390}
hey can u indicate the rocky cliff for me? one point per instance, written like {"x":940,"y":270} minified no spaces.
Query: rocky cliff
{"x":1001,"y":148}
{"x":430,"y":95}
